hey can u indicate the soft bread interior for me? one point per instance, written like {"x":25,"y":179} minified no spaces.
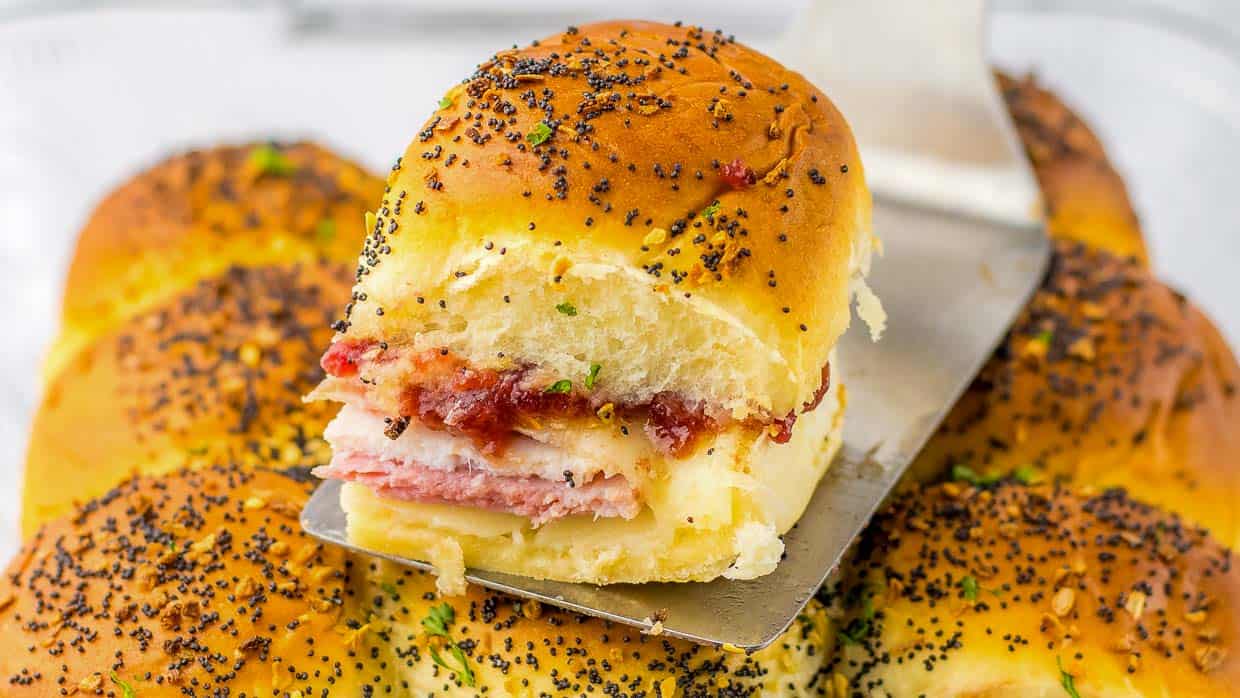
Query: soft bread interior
{"x":564,"y":309}
{"x":719,"y":511}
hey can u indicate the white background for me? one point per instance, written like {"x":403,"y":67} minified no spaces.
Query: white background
{"x":89,"y":98}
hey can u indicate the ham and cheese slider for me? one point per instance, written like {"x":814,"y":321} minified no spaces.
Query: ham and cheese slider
{"x":591,"y":336}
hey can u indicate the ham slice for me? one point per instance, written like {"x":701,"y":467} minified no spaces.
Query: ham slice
{"x":538,"y":498}
{"x":537,"y":480}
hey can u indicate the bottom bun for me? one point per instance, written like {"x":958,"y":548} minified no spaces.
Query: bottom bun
{"x":719,"y":512}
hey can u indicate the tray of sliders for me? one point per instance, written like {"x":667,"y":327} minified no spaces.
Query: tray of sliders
{"x":1063,"y":531}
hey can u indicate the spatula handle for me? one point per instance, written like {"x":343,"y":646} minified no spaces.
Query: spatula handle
{"x":913,"y":80}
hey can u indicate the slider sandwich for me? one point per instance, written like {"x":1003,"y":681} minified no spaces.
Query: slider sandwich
{"x":591,"y":336}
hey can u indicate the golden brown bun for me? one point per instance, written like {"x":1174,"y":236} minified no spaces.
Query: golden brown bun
{"x":214,"y":374}
{"x":524,"y":649}
{"x":1085,"y":198}
{"x":195,"y":583}
{"x":193,"y":215}
{"x":1108,"y":378}
{"x":190,"y":584}
{"x":492,"y":227}
{"x":955,"y":591}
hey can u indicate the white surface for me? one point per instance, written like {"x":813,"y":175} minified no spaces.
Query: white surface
{"x":85,"y":101}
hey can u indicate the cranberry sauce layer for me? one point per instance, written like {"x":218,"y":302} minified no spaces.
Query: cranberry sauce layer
{"x":442,"y":391}
{"x":780,"y":429}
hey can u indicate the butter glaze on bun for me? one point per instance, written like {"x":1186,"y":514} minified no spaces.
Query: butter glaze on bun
{"x":193,"y":584}
{"x":1024,"y":591}
{"x":657,"y":226}
{"x":1107,"y":379}
{"x":1085,"y":197}
{"x":203,"y":584}
{"x":211,"y":374}
{"x":193,"y":215}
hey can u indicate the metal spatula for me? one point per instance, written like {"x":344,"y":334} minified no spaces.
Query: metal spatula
{"x":956,"y":208}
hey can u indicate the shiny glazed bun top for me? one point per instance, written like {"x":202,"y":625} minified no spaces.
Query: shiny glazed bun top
{"x":195,"y":584}
{"x":213,"y":374}
{"x":656,"y":199}
{"x":193,"y":215}
{"x":1031,"y":590}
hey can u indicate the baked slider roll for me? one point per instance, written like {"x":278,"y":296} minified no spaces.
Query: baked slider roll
{"x":211,"y":374}
{"x":202,"y":583}
{"x":1084,"y":196}
{"x":1022,"y":591}
{"x":197,"y":299}
{"x":511,"y":647}
{"x":1107,"y":379}
{"x":192,"y":584}
{"x":591,"y":334}
{"x":193,"y":215}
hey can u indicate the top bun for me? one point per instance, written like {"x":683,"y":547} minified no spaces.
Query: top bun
{"x":659,"y":200}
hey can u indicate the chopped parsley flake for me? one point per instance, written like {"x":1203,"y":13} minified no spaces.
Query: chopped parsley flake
{"x":1025,"y":474}
{"x":969,"y":585}
{"x":710,"y":211}
{"x":963,"y":473}
{"x":325,"y":231}
{"x":462,"y":668}
{"x":592,"y":376}
{"x":391,"y":589}
{"x":540,"y":134}
{"x":436,"y":623}
{"x":445,"y":102}
{"x":561,"y":386}
{"x":566,"y":308}
{"x":857,"y":629}
{"x":1045,"y":336}
{"x":438,"y":619}
{"x":126,"y":690}
{"x":1066,"y":680}
{"x":268,"y":160}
